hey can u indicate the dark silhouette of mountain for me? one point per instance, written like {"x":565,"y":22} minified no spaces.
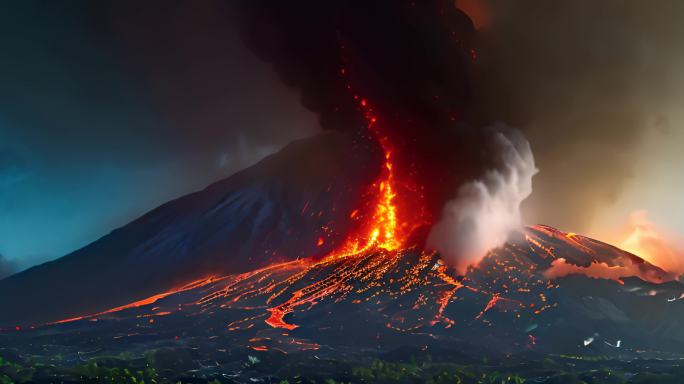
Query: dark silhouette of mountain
{"x":273,"y":211}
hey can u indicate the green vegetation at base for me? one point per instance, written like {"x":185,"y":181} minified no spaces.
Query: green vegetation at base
{"x":93,"y":370}
{"x":176,"y":367}
{"x":431,"y":373}
{"x":112,"y":371}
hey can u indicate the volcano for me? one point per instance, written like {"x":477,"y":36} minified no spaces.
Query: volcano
{"x":545,"y":290}
{"x":379,"y":302}
{"x":382,"y":297}
{"x":388,"y":248}
{"x":293,"y":204}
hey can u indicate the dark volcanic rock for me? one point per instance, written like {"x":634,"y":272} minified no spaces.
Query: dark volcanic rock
{"x":383,"y":301}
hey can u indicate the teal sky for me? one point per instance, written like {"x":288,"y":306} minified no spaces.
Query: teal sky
{"x":106,"y":113}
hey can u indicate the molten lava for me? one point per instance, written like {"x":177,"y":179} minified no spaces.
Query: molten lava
{"x":368,"y":255}
{"x":377,"y":265}
{"x":288,"y":306}
{"x":380,"y":231}
{"x":379,"y":234}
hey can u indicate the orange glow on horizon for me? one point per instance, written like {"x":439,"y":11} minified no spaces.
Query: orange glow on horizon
{"x":477,"y":10}
{"x":645,"y":239}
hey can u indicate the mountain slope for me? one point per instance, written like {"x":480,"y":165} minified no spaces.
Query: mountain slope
{"x":383,"y":301}
{"x":272,"y":211}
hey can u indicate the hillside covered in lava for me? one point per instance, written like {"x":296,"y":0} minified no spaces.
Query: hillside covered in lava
{"x":385,"y":303}
{"x":306,"y":252}
{"x":406,"y":152}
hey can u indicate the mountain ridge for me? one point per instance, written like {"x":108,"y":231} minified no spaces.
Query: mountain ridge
{"x":271,"y":211}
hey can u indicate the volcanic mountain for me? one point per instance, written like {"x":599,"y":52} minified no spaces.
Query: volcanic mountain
{"x":381,"y":301}
{"x":293,"y":204}
{"x":263,"y":261}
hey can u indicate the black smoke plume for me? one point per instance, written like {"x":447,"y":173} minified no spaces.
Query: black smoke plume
{"x":410,"y":62}
{"x":409,"y":65}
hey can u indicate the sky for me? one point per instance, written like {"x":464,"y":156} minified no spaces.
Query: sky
{"x":109,"y":109}
{"x":597,"y":89}
{"x":108,"y":112}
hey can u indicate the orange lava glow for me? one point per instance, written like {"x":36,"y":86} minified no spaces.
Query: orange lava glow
{"x":377,"y":222}
{"x":380,"y":230}
{"x":275,"y":300}
{"x":143,"y":302}
{"x":561,"y":268}
{"x":336,"y":278}
{"x":378,"y":233}
{"x":477,"y":10}
{"x":645,"y":239}
{"x":606,"y":261}
{"x":378,"y":239}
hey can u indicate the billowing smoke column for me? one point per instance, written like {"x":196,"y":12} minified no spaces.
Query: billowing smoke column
{"x":485,"y":211}
{"x":412,"y":62}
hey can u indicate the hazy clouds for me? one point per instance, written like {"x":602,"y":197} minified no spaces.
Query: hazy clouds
{"x":587,"y":81}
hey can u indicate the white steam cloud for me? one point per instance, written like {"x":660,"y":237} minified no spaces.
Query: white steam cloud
{"x":487,"y":210}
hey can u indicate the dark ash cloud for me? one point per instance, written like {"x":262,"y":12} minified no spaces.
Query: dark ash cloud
{"x":411,"y":62}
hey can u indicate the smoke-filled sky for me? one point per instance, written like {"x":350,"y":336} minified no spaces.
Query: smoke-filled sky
{"x":597,"y":88}
{"x":108,"y":109}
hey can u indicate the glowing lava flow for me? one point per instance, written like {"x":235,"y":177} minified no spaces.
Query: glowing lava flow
{"x":381,"y":230}
{"x":366,"y":256}
{"x":373,"y":265}
{"x":381,"y":236}
{"x":373,"y":292}
{"x":406,"y":291}
{"x":143,"y":302}
{"x":384,"y":235}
